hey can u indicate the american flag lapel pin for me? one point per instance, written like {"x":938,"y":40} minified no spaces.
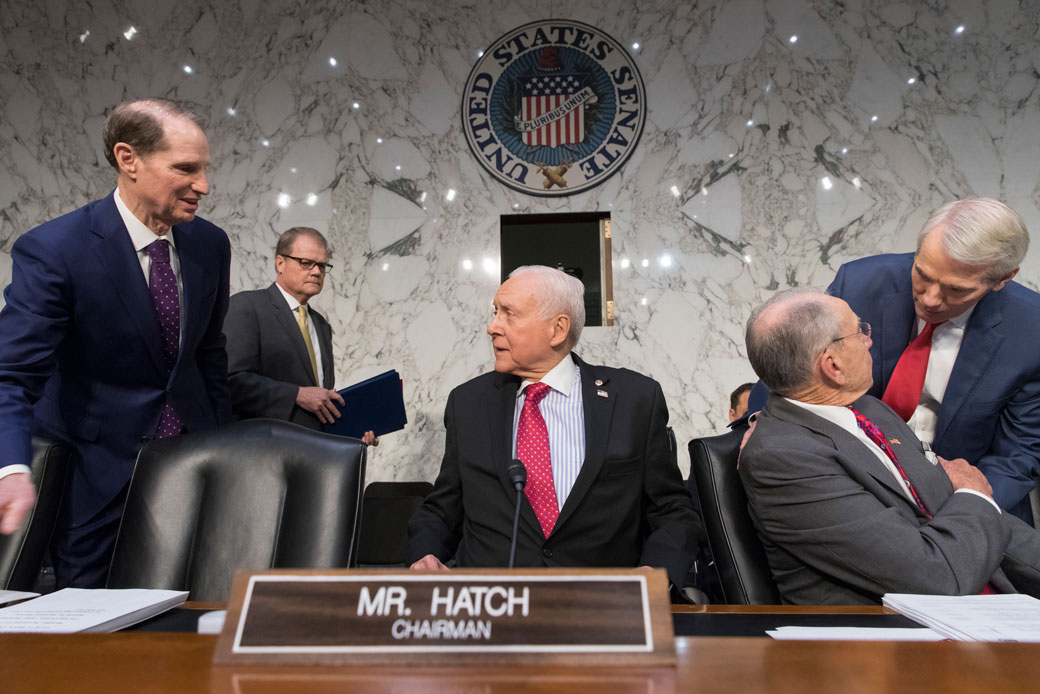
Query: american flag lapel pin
{"x":602,"y":393}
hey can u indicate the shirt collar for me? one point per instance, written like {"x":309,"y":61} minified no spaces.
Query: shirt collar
{"x":842,"y":416}
{"x":293,"y":303}
{"x":959,"y":322}
{"x":560,"y":377}
{"x":140,"y":235}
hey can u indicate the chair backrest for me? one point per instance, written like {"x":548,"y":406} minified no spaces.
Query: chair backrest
{"x":21,"y":553}
{"x":254,"y":494}
{"x":739,"y":557}
{"x":383,"y":539}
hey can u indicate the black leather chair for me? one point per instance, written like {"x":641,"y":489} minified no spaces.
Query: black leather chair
{"x":739,"y":557}
{"x":384,"y":521}
{"x":255,"y":494}
{"x":21,"y":553}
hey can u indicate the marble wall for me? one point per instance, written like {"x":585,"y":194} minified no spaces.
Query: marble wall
{"x":783,"y":137}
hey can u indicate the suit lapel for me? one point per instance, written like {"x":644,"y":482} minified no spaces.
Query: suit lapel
{"x":896,"y":331}
{"x":324,"y":330}
{"x":116,"y":254}
{"x":598,"y":413}
{"x":982,"y":338}
{"x":843,"y":441}
{"x":284,"y":315}
{"x":192,"y":283}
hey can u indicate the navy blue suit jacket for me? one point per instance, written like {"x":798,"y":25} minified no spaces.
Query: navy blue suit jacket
{"x":81,"y":352}
{"x":990,"y":412}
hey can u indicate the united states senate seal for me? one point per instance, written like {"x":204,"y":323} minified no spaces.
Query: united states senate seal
{"x":554,"y":107}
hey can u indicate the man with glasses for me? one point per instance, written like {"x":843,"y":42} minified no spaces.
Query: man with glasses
{"x":955,"y":345}
{"x":280,"y":360}
{"x":847,"y":501}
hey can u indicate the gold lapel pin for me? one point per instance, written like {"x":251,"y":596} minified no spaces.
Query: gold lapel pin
{"x":895,"y":441}
{"x":599,"y":381}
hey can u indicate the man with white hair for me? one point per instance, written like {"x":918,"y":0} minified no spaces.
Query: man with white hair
{"x":603,"y":489}
{"x":955,"y":341}
{"x":847,"y":501}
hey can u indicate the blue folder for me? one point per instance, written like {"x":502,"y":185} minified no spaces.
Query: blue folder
{"x":373,"y":405}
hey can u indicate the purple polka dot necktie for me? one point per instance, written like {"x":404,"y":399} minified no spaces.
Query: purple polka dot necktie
{"x":163,"y":285}
{"x":532,"y":447}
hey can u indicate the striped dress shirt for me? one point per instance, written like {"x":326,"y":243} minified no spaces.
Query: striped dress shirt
{"x":565,"y":419}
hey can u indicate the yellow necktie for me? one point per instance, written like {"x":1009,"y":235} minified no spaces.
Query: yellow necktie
{"x":301,"y":320}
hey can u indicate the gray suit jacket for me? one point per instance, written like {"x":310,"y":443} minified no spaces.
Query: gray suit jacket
{"x":267,"y":358}
{"x":837,"y":528}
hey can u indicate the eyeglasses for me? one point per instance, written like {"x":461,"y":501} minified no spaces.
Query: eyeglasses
{"x":864,"y":330}
{"x":308,"y":264}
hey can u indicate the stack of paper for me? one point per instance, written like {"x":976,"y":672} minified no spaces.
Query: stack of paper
{"x":973,"y":617}
{"x":75,"y":609}
{"x":854,"y":634}
{"x":7,"y":596}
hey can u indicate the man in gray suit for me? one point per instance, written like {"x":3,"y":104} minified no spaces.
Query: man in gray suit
{"x":847,"y":501}
{"x":278,"y":346}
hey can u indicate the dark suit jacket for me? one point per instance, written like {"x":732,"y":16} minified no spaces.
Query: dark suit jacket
{"x":267,"y":358}
{"x":81,"y":352}
{"x":628,"y":506}
{"x":990,"y":413}
{"x":837,"y":528}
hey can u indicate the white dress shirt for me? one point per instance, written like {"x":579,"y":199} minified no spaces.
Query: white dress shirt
{"x":315,"y":342}
{"x":946,"y":345}
{"x":141,"y":237}
{"x":844,"y":418}
{"x":564,"y":417}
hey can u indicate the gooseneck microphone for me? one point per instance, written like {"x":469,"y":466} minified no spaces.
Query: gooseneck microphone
{"x":518,"y":476}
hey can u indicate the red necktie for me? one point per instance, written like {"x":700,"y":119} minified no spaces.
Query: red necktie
{"x":163,"y":285}
{"x":907,"y":381}
{"x":877,"y":436}
{"x":532,"y":447}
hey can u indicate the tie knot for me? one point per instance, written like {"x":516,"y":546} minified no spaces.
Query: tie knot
{"x":159,"y":251}
{"x":535,"y":392}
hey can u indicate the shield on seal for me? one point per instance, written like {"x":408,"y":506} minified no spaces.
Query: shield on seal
{"x":549,"y":109}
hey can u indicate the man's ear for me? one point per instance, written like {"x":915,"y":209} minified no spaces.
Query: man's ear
{"x":126,"y":159}
{"x":1003,"y":282}
{"x":561,"y":328}
{"x":830,"y":369}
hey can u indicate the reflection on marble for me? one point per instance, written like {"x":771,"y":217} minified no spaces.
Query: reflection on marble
{"x":783,"y":137}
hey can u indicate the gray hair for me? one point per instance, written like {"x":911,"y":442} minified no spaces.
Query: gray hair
{"x":981,"y":231}
{"x":140,"y":125}
{"x":784,"y":351}
{"x":558,"y":293}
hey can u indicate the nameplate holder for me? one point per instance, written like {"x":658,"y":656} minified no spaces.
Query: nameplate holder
{"x":573,"y":617}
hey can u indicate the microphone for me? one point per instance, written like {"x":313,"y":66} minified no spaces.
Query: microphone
{"x":518,"y":476}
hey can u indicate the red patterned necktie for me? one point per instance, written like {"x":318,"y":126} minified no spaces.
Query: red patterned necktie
{"x":163,"y":285}
{"x":877,"y":436}
{"x":907,"y":381}
{"x":532,"y":447}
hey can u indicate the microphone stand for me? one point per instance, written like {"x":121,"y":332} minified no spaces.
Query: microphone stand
{"x":518,"y":476}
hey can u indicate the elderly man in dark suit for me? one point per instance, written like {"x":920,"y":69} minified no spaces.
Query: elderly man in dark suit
{"x":111,"y":334}
{"x":955,"y":342}
{"x":602,"y":490}
{"x":847,"y":501}
{"x":280,"y":349}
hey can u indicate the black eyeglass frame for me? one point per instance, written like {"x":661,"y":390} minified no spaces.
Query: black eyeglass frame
{"x":864,"y":329}
{"x":307,"y":263}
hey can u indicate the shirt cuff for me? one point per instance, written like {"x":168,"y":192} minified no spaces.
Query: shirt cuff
{"x":14,"y":470}
{"x":958,"y":491}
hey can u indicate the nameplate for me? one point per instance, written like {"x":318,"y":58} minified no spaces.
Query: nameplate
{"x":571,"y":617}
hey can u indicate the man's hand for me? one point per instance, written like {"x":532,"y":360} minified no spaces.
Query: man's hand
{"x":320,"y":402}
{"x":17,"y":496}
{"x":964,"y":475}
{"x":370,"y":438}
{"x":429,"y":562}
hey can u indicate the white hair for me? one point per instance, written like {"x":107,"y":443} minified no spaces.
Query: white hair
{"x":981,"y":231}
{"x":558,"y":292}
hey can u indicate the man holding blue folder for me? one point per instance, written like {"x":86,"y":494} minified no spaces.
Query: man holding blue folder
{"x":279,"y":349}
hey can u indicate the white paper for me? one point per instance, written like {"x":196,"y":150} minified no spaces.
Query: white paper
{"x":72,"y":610}
{"x":1013,"y":617}
{"x":7,"y":596}
{"x":212,"y":622}
{"x":854,"y":634}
